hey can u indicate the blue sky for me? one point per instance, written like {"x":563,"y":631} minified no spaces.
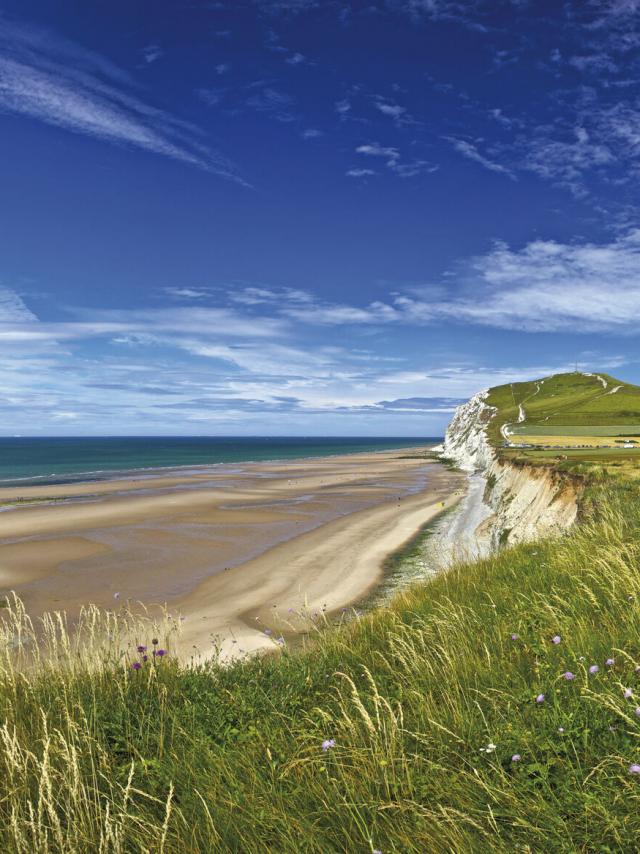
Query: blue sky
{"x":299,"y":217}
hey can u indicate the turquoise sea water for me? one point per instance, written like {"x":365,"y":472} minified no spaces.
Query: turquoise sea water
{"x":66,"y":459}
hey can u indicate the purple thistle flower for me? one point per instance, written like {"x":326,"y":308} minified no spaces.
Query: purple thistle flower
{"x":556,"y":639}
{"x":594,"y":669}
{"x":328,"y":743}
{"x":136,"y":665}
{"x":142,"y":648}
{"x":516,"y":757}
{"x":610,"y":662}
{"x":540,"y":698}
{"x":569,"y":675}
{"x":159,"y":652}
{"x":515,"y":637}
{"x":145,"y":658}
{"x":634,"y":768}
{"x":628,"y":693}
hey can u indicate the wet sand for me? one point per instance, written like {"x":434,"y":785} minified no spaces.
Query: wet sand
{"x":238,"y":549}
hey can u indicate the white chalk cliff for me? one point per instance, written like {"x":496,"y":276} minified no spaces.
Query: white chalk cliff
{"x":518,"y":502}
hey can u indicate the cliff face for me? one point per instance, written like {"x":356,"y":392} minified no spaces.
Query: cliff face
{"x":520,"y":503}
{"x":466,"y":438}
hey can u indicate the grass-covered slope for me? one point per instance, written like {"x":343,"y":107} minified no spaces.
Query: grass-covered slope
{"x":465,"y":718}
{"x":566,"y":399}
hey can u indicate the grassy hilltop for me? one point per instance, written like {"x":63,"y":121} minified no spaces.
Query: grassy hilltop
{"x":495,"y":708}
{"x":577,"y":418}
{"x":569,"y":399}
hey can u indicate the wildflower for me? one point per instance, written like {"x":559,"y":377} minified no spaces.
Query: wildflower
{"x":328,"y":743}
{"x":594,"y":669}
{"x":560,"y":729}
{"x":569,"y":675}
{"x":637,"y":668}
{"x":556,"y":639}
{"x":628,"y":693}
{"x":136,"y":665}
{"x":516,"y":757}
{"x":515,"y":637}
{"x":145,"y":658}
{"x":540,"y":698}
{"x":267,"y":632}
{"x":634,"y":769}
{"x":637,"y":711}
{"x":159,"y":652}
{"x":142,"y":648}
{"x":491,"y":747}
{"x":610,"y":662}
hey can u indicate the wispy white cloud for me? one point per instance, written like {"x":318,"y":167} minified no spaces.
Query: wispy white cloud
{"x":151,"y":53}
{"x":393,"y":161}
{"x":187,"y":293}
{"x":67,"y":86}
{"x":374,"y":149}
{"x":279,"y":105}
{"x":13,"y":309}
{"x":546,"y":287}
{"x":471,"y":152}
{"x":569,"y":158}
{"x":394,"y":111}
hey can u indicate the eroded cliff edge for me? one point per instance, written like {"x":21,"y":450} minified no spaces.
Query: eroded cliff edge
{"x":508,"y":502}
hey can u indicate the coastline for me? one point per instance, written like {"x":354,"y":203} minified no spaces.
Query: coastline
{"x":303,"y":580}
{"x":223,"y":547}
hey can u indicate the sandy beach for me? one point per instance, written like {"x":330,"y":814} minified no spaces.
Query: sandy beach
{"x":240,"y":550}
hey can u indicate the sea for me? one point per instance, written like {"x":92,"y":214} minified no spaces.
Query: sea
{"x":26,"y":461}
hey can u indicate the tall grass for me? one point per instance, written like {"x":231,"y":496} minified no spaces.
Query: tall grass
{"x":421,"y":707}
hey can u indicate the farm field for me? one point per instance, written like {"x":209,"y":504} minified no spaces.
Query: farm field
{"x":623,"y":430}
{"x":571,"y":441}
